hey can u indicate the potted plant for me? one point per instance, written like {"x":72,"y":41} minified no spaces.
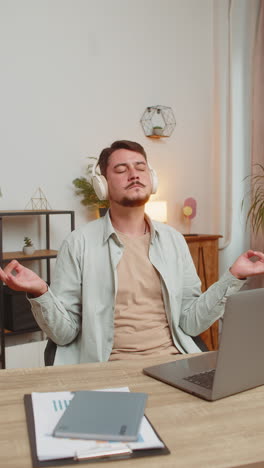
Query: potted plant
{"x":256,"y":209}
{"x":28,"y":248}
{"x":157,"y":130}
{"x":84,"y":188}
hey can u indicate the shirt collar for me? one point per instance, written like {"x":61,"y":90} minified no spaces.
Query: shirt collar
{"x":110,"y":231}
{"x":108,"y":227}
{"x":153,"y":229}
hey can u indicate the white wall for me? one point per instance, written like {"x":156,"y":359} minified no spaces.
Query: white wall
{"x":78,"y":74}
{"x":243,"y":18}
{"x":26,"y":355}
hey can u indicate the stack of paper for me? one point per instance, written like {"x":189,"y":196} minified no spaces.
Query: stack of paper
{"x":48,"y":409}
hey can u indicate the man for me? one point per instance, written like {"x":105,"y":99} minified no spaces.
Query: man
{"x":125,"y":286}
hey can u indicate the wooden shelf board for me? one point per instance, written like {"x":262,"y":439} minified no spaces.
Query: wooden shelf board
{"x":200,"y":237}
{"x":21,"y":332}
{"x":38,"y":254}
{"x":157,"y":136}
{"x":32,"y":212}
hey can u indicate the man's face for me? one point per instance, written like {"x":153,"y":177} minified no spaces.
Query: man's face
{"x":128,"y":178}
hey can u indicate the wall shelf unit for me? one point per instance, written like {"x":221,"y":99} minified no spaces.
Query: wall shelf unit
{"x":44,"y":254}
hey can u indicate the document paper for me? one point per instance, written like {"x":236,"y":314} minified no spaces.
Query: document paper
{"x":48,"y":408}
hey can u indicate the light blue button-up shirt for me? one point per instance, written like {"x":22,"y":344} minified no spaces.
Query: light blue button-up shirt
{"x":77,"y":311}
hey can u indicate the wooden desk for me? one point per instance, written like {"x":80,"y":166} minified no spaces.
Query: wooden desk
{"x":225,"y":433}
{"x":204,"y":251}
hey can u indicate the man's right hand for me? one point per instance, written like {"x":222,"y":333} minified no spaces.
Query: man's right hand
{"x":20,"y":278}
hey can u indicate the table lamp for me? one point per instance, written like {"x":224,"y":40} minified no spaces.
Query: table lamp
{"x":157,"y":210}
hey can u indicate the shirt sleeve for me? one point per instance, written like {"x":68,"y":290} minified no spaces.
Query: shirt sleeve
{"x":58,"y":311}
{"x":200,"y":310}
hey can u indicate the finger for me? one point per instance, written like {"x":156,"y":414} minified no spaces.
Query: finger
{"x":259,"y":254}
{"x":2,"y":275}
{"x":19,"y":267}
{"x":13,"y":283}
{"x":11,"y":266}
{"x":250,"y":253}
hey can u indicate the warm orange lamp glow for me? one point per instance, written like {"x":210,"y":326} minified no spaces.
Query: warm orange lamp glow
{"x":157,"y":210}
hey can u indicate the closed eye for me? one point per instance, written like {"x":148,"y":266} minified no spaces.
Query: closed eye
{"x":141,"y":166}
{"x":120,"y":168}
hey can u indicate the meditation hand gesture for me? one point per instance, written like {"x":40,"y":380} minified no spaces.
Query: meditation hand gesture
{"x":20,"y":278}
{"x":244,"y":266}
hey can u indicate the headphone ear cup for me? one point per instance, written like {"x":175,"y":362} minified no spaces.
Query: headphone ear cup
{"x":100,"y":186}
{"x":154,"y":181}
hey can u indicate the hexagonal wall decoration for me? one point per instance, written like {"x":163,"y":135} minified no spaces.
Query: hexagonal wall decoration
{"x":158,"y":121}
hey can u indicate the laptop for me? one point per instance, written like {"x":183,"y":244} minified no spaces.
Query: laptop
{"x":238,"y":365}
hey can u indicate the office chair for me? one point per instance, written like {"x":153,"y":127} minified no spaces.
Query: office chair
{"x":49,"y":353}
{"x":200,"y":343}
{"x":50,"y":350}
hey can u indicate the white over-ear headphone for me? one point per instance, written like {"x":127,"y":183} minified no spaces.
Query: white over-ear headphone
{"x":101,"y":187}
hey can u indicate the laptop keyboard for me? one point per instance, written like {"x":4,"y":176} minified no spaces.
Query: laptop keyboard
{"x":204,"y":379}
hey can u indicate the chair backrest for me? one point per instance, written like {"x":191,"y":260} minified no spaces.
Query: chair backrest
{"x":49,"y":353}
{"x":200,"y":343}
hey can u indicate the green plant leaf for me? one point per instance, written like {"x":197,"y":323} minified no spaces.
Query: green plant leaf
{"x":84,"y":189}
{"x":255,"y":213}
{"x":28,"y":242}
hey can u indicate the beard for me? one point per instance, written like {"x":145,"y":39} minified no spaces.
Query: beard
{"x":133,"y":203}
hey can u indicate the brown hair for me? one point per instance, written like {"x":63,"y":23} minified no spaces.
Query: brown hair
{"x":119,"y":144}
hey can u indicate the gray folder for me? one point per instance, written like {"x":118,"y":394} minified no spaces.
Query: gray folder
{"x":101,"y":415}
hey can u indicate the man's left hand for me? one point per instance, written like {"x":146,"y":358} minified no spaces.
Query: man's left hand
{"x":245,"y":266}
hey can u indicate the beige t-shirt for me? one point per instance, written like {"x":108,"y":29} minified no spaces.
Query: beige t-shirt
{"x":140,"y":325}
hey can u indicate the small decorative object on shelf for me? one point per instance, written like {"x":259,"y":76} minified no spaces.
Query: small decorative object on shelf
{"x":28,"y":248}
{"x":189,"y":212}
{"x":157,"y":131}
{"x":158,"y":121}
{"x":38,"y":201}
